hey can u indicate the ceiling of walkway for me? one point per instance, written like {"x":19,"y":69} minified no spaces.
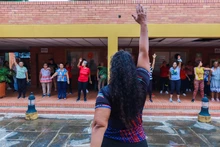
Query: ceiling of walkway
{"x":20,"y":43}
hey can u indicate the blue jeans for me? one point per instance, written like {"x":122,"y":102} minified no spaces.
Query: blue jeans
{"x":175,"y":84}
{"x":61,"y":89}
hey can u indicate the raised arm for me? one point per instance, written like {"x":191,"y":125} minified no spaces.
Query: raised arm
{"x":154,"y":58}
{"x":15,"y":62}
{"x":80,"y":60}
{"x":143,"y":57}
{"x":180,"y":61}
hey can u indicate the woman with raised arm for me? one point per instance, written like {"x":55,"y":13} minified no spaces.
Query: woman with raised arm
{"x":150,"y":87}
{"x":22,"y":78}
{"x":199,"y":79}
{"x":119,"y":105}
{"x":175,"y":81}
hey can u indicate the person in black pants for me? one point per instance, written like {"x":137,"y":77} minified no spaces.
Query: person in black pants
{"x":151,"y":78}
{"x":84,"y":77}
{"x":22,"y":78}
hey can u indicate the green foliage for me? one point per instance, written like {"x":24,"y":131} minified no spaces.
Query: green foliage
{"x":5,"y":73}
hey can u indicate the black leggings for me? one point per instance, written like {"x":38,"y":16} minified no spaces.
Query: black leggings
{"x":164,"y":83}
{"x":82,"y":87}
{"x":22,"y":84}
{"x":175,"y":84}
{"x":149,"y":90}
{"x":113,"y":143}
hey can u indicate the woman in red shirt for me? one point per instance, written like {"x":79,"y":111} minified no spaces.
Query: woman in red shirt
{"x":184,"y":79}
{"x":84,"y":77}
{"x":69,"y":69}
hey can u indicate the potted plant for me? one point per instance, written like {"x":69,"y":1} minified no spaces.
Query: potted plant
{"x":5,"y":73}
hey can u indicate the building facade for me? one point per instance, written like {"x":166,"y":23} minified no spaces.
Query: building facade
{"x":95,"y":30}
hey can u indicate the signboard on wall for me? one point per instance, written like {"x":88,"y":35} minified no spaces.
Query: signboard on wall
{"x":44,"y":50}
{"x":217,"y":50}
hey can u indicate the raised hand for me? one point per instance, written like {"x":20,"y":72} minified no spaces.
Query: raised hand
{"x":154,"y":56}
{"x":179,"y":57}
{"x":141,"y":16}
{"x":80,"y":59}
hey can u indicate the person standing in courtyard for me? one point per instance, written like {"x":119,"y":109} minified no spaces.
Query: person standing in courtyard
{"x":45,"y":80}
{"x":164,"y":78}
{"x":189,"y":72}
{"x":199,"y":79}
{"x":53,"y":67}
{"x":62,"y":81}
{"x":214,"y":80}
{"x":175,"y":81}
{"x":150,"y":87}
{"x":22,"y":78}
{"x":69,"y":86}
{"x":184,"y":79}
{"x":102,"y":73}
{"x":84,"y":77}
{"x":206,"y":81}
{"x":115,"y":124}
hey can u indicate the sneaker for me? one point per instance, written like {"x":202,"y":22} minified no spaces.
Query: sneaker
{"x":151,"y":100}
{"x":19,"y":96}
{"x":193,"y":100}
{"x":85,"y":100}
{"x":190,"y":90}
{"x":187,"y":90}
{"x":171,"y":100}
{"x":43,"y":95}
{"x":184,"y":94}
{"x":70,"y":93}
{"x":213,"y":99}
{"x":9,"y":88}
{"x":217,"y":99}
{"x":87,"y":91}
{"x":179,"y":101}
{"x":78,"y":99}
{"x":161,"y":92}
{"x":167,"y":92}
{"x":49,"y":95}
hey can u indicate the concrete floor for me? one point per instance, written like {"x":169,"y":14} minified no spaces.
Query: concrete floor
{"x":75,"y":132}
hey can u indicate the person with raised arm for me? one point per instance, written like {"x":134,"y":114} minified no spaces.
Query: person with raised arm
{"x":119,"y":105}
{"x":150,"y":87}
{"x":199,"y":79}
{"x":175,"y":81}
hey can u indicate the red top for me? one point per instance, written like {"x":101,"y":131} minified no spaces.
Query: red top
{"x":182,"y":74}
{"x":69,"y":69}
{"x":83,"y":74}
{"x":164,"y":72}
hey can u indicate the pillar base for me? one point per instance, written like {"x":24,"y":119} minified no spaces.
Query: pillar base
{"x":31,"y":116}
{"x":204,"y":119}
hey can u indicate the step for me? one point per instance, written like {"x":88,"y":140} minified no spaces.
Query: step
{"x":90,"y":111}
{"x":70,"y":104}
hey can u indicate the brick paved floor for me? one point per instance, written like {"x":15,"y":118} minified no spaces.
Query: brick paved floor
{"x":161,"y":132}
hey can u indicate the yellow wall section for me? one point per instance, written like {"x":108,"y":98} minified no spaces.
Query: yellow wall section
{"x":106,"y":30}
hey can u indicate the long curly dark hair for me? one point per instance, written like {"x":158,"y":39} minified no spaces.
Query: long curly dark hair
{"x":127,"y":96}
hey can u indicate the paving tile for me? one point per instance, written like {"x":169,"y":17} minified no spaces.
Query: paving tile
{"x":213,"y":139}
{"x":159,"y":130}
{"x":152,"y":123}
{"x":44,"y":139}
{"x":185,"y":123}
{"x":205,"y":128}
{"x":36,"y":128}
{"x":74,"y":129}
{"x":4,"y":122}
{"x":23,"y":136}
{"x":171,"y":140}
{"x":12,"y":126}
{"x":79,"y":122}
{"x":14,"y":143}
{"x":60,"y":140}
{"x":78,"y":140}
